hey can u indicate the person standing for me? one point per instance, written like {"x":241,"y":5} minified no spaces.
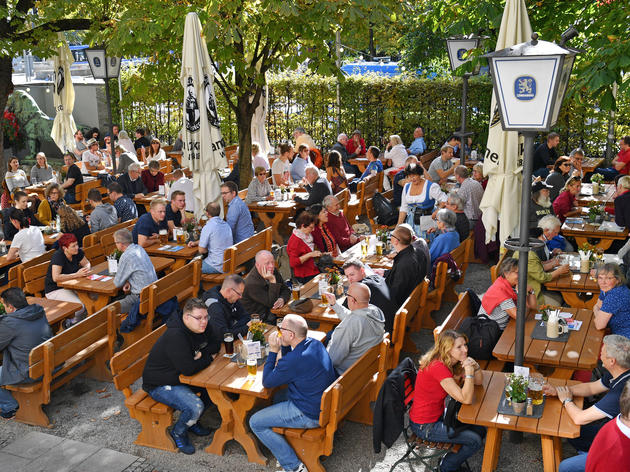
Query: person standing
{"x":238,"y":216}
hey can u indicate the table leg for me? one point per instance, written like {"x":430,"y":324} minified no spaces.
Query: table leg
{"x":557,"y":450}
{"x":92,"y":306}
{"x":602,"y":243}
{"x":178,"y":264}
{"x":233,"y":418}
{"x":575,"y":301}
{"x":548,"y":453}
{"x":491,"y":450}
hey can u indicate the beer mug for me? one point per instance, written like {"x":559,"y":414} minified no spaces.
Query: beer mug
{"x":228,"y":342}
{"x":535,"y":388}
{"x":379,"y":248}
{"x":252,"y":366}
{"x":163,"y":236}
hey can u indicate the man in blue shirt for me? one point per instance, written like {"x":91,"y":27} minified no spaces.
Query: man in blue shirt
{"x":216,"y":237}
{"x":146,"y":231}
{"x":418,"y":145}
{"x":615,"y":357}
{"x":238,"y":216}
{"x":306,"y":368}
{"x":125,"y":207}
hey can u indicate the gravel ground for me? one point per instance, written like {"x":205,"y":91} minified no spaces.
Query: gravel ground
{"x":94,"y":412}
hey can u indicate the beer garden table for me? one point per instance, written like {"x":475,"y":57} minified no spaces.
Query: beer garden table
{"x":554,"y":424}
{"x":223,"y":379}
{"x":281,"y":211}
{"x":360,"y":162}
{"x":181,"y":256}
{"x":372,"y":259}
{"x":581,"y":351}
{"x":591,"y":234}
{"x":589,"y":164}
{"x":56,"y":310}
{"x":147,"y":199}
{"x":606,"y":195}
{"x":104,"y":290}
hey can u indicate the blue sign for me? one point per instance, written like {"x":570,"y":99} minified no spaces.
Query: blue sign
{"x":460,"y":54}
{"x":525,"y":87}
{"x":97,"y":62}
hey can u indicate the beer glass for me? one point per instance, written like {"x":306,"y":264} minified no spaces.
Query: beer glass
{"x":278,"y":325}
{"x":228,"y":342}
{"x":535,"y":388}
{"x":364,"y":248}
{"x":252,"y":366}
{"x":163,"y":236}
{"x":323,"y":288}
{"x":379,"y":248}
{"x":296,"y":291}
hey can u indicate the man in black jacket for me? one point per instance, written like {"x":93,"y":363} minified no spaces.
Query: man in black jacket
{"x":132,"y":185}
{"x":184,"y":349}
{"x":546,"y":155}
{"x":318,"y":188}
{"x":226,"y":313}
{"x":407,"y":271}
{"x":22,"y":328}
{"x":264,"y":288}
{"x":340,"y":147}
{"x":354,"y":269}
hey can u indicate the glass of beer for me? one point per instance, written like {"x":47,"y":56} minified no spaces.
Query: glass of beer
{"x":534,"y":389}
{"x":163,"y":236}
{"x":296,"y":291}
{"x":231,"y":164}
{"x":379,"y":248}
{"x":254,"y":317}
{"x":252,"y":366}
{"x":364,"y":248}
{"x":228,"y":342}
{"x":278,"y":325}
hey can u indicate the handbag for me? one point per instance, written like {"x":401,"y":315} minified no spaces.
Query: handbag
{"x":449,"y":417}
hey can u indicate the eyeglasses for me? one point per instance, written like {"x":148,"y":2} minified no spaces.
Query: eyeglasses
{"x":394,"y":237}
{"x":351,"y":296}
{"x":201,"y":319}
{"x":226,"y":193}
{"x":566,"y":164}
{"x":237,"y":292}
{"x":287,"y":329}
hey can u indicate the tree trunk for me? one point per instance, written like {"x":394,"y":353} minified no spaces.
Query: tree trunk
{"x":244,"y":124}
{"x":6,"y":89}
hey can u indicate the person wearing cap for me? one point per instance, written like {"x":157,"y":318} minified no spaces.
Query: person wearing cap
{"x":356,"y":145}
{"x":92,"y":157}
{"x":564,"y":204}
{"x":541,"y":203}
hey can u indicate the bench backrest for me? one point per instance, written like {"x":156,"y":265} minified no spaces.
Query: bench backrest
{"x":398,"y":337}
{"x":344,"y":197}
{"x":128,"y":364}
{"x":68,"y":343}
{"x":16,"y":273}
{"x":371,"y":186}
{"x":95,"y":254}
{"x":494,"y":270}
{"x":95,"y":238}
{"x":455,"y":317}
{"x":83,"y":189}
{"x":428,"y":157}
{"x":369,"y":207}
{"x":35,"y":279}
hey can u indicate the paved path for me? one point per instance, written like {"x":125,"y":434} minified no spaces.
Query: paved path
{"x":40,"y":452}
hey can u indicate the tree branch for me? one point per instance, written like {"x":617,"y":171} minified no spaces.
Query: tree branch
{"x":65,"y":24}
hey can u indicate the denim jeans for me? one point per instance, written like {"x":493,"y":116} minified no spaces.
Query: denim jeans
{"x":471,"y":440}
{"x":7,"y":402}
{"x":609,"y":173}
{"x":70,"y":197}
{"x":283,"y":413}
{"x":574,"y":464}
{"x":208,"y":269}
{"x":182,"y":398}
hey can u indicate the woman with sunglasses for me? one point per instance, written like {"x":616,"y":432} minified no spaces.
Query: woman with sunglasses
{"x":558,"y":176}
{"x":259,"y":189}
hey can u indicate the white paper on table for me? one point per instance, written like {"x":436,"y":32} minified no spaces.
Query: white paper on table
{"x":427,"y":222}
{"x":253,"y":349}
{"x":575,"y":325}
{"x":564,"y":314}
{"x":522,"y":371}
{"x":610,"y":226}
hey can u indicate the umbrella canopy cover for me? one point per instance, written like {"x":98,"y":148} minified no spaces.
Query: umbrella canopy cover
{"x":204,"y":148}
{"x":63,"y":128}
{"x":259,"y":120}
{"x":504,"y":157}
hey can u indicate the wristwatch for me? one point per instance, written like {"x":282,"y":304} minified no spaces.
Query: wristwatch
{"x":567,"y":400}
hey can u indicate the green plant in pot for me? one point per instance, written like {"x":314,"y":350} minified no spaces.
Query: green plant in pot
{"x":596,"y":180}
{"x":517,"y":386}
{"x":594,"y":211}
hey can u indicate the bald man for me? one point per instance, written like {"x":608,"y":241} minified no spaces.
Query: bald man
{"x":362,"y":327}
{"x":264,"y":288}
{"x":305,"y":367}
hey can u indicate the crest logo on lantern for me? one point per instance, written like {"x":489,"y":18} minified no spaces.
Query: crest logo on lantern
{"x":525,"y":87}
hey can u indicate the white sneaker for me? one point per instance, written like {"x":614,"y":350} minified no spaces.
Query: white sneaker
{"x":301,"y":468}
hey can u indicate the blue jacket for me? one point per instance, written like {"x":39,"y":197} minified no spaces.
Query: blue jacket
{"x":443,"y":243}
{"x":307,"y":370}
{"x":20,"y":332}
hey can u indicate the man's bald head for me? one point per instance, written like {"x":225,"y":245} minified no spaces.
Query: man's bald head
{"x":359,"y":293}
{"x":297,"y":324}
{"x":265,"y":260}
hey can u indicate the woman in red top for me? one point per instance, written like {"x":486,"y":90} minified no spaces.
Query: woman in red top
{"x":323,"y":238}
{"x":152,"y":177}
{"x":565,"y":201}
{"x":301,"y":248}
{"x":441,"y":372}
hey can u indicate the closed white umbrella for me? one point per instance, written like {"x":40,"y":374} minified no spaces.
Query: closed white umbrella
{"x":204,"y":148}
{"x":63,"y":128}
{"x":259,"y":121}
{"x":503,"y":161}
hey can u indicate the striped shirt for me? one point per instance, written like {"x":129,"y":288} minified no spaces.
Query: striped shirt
{"x":499,"y":314}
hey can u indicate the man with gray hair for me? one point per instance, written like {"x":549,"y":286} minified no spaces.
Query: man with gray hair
{"x":442,"y":166}
{"x":264,"y":288}
{"x":471,"y":193}
{"x":317,"y":188}
{"x":577,"y":157}
{"x":361,"y":327}
{"x":300,"y":137}
{"x":338,"y":224}
{"x":132,"y":185}
{"x":615,"y":357}
{"x":463,"y":225}
{"x":135,"y":269}
{"x":340,"y":147}
{"x":226,"y":313}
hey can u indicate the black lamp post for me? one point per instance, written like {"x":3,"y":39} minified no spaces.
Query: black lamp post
{"x":457,"y":55}
{"x":530,"y":80}
{"x":105,"y":68}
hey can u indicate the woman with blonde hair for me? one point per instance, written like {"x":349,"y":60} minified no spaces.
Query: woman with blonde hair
{"x":396,"y":152}
{"x":446,"y":370}
{"x":41,"y":172}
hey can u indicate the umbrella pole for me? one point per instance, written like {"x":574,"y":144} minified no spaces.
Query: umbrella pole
{"x":462,"y":134}
{"x":111,"y":127}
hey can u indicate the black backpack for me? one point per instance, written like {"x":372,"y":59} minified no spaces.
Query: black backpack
{"x":483,"y":334}
{"x":385,"y":213}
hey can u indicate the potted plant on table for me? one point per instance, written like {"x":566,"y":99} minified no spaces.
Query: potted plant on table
{"x":334,"y":281}
{"x":595,"y":212}
{"x":517,"y":387}
{"x":596,"y":180}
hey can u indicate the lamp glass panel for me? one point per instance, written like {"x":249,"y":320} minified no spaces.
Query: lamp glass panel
{"x":457,"y":48}
{"x":96,"y":61}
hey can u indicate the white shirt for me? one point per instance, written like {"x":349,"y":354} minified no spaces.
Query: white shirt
{"x":91,"y":158}
{"x":185,"y":185}
{"x":260,"y":160}
{"x":30,"y":243}
{"x":279,"y":167}
{"x":160,"y":156}
{"x":398,"y":155}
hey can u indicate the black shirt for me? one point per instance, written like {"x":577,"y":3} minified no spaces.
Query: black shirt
{"x":143,"y":141}
{"x":404,"y":275}
{"x":9,"y":230}
{"x":67,"y":267}
{"x":174,"y":216}
{"x":74,"y":173}
{"x":544,"y":156}
{"x":131,"y":187}
{"x":462,"y":226}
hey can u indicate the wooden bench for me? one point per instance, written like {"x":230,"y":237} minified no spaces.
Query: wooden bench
{"x":35,"y":279}
{"x":461,"y":311}
{"x":349,"y":398}
{"x":154,"y":417}
{"x":343,"y":196}
{"x":85,"y":347}
{"x":81,"y":192}
{"x":236,"y":256}
{"x":16,"y":273}
{"x":427,"y":158}
{"x":95,"y":238}
{"x":414,"y":305}
{"x":494,"y":270}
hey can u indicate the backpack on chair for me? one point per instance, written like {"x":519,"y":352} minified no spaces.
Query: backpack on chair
{"x":482,"y":332}
{"x":385,"y":213}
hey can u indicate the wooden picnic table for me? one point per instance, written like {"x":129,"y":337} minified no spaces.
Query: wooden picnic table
{"x":56,"y":310}
{"x":360,"y":162}
{"x":470,"y":163}
{"x":606,"y":195}
{"x":38,"y":189}
{"x":177,"y":155}
{"x":581,"y":351}
{"x":96,"y":294}
{"x":182,"y":256}
{"x":589,"y":164}
{"x":281,"y":211}
{"x":372,"y":259}
{"x":554,"y":424}
{"x":223,"y":379}
{"x":591,"y":234}
{"x":147,"y":199}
